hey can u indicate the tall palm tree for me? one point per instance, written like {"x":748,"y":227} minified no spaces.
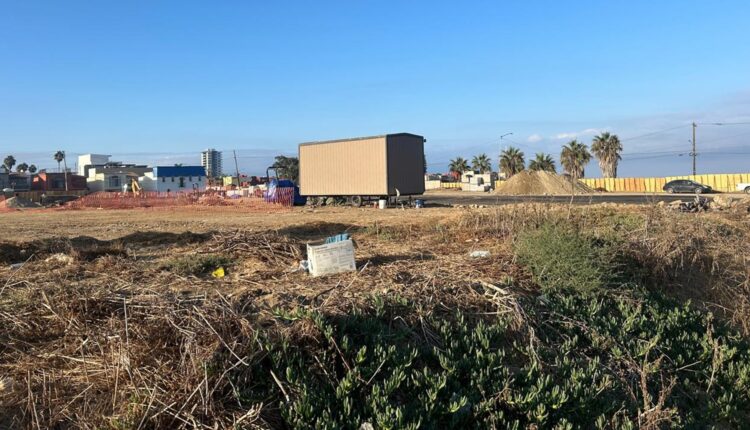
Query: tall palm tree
{"x":606,"y":148}
{"x":574,"y":157}
{"x":9,"y":162}
{"x":458,"y":165}
{"x":511,"y":161}
{"x":543,"y":162}
{"x":59,"y":157}
{"x":481,"y":163}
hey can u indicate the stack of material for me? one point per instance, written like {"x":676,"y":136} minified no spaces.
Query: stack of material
{"x":541,"y":183}
{"x":20,"y":203}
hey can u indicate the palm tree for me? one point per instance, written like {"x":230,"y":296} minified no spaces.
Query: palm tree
{"x":59,"y":157}
{"x":481,"y":163}
{"x":574,"y":157}
{"x":511,"y":161}
{"x":606,"y":148}
{"x":542,"y":162}
{"x":9,"y":162}
{"x":458,"y":166}
{"x":32,"y":168}
{"x":21,"y":168}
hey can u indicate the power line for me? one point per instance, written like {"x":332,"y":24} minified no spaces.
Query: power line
{"x":727,"y":137}
{"x":653,"y":133}
{"x":723,"y":123}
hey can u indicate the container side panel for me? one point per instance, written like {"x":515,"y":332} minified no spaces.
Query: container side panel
{"x":344,"y":168}
{"x":405,"y":164}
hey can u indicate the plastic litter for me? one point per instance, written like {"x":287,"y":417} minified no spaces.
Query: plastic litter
{"x":16,"y":266}
{"x":218,"y":273}
{"x":338,"y":238}
{"x":479,"y":254}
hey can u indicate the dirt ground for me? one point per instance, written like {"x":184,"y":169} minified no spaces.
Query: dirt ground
{"x":109,"y":224}
{"x":112,"y":318}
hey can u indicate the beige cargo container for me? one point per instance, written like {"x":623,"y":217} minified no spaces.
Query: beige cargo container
{"x":364,"y":167}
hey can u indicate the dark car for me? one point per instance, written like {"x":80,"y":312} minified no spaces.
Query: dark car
{"x":686,"y":186}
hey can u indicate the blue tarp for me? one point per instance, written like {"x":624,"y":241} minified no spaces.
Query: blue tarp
{"x":272,"y":194}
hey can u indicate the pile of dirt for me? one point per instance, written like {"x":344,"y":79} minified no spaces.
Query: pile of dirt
{"x":541,"y":183}
{"x":20,"y":203}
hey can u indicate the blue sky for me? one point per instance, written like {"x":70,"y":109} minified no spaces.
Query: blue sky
{"x":157,"y":82}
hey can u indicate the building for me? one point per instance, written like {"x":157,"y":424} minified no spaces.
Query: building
{"x":475,"y":181}
{"x":87,"y":161}
{"x":211,"y":161}
{"x":176,"y":179}
{"x":15,"y":181}
{"x":102,"y":174}
{"x":114,"y":177}
{"x":45,"y":181}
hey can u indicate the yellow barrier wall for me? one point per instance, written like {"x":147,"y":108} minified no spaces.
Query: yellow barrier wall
{"x":450,"y":185}
{"x":724,"y":182}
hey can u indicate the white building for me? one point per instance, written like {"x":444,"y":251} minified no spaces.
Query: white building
{"x":211,"y":161}
{"x":86,"y":161}
{"x":175,"y":179}
{"x":475,"y":181}
{"x":114,"y":178}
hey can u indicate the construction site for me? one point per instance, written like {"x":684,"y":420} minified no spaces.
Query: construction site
{"x":197,"y":314}
{"x":374,"y":216}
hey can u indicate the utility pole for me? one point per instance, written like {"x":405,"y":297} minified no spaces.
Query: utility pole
{"x":694,"y":154}
{"x":236,"y":168}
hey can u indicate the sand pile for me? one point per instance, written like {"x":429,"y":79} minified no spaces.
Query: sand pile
{"x":20,"y":203}
{"x":541,"y":183}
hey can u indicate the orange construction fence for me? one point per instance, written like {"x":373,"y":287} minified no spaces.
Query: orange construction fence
{"x":724,"y":182}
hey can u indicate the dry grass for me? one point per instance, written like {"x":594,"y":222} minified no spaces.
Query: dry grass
{"x":108,"y":338}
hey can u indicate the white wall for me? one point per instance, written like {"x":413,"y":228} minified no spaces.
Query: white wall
{"x":163,"y":184}
{"x":90,"y":159}
{"x":101,"y":181}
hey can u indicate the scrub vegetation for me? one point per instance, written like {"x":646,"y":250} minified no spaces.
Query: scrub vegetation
{"x":597,"y":317}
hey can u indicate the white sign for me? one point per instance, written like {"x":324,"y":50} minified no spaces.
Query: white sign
{"x":331,"y":258}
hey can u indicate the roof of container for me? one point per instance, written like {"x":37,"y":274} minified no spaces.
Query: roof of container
{"x":179,"y":171}
{"x":359,"y":138}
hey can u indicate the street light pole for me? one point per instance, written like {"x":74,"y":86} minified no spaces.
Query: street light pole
{"x":694,"y":154}
{"x":500,"y":155}
{"x":501,"y":141}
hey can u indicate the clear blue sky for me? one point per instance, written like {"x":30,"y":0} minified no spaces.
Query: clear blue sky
{"x":158,"y":81}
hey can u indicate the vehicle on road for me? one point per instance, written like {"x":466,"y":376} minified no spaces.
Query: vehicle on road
{"x":686,"y":186}
{"x":744,"y":187}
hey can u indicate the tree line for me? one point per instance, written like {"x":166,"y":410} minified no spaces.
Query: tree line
{"x":575,"y":155}
{"x":9,"y":161}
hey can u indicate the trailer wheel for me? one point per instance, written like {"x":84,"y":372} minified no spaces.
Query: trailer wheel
{"x":356,"y":201}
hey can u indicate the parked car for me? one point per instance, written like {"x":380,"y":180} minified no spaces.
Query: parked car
{"x":685,"y":186}
{"x":744,"y":187}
